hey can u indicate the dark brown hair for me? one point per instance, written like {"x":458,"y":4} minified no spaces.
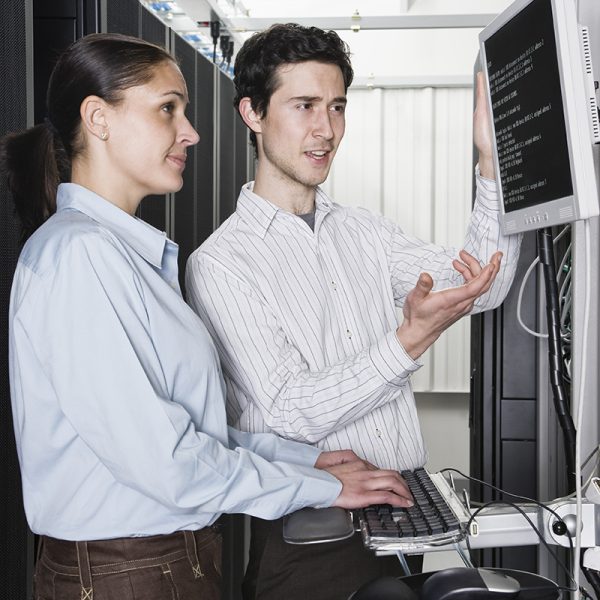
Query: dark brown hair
{"x":256,"y":64}
{"x":37,"y":160}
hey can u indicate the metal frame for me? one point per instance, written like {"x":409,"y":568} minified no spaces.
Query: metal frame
{"x":412,"y":81}
{"x":216,"y":148}
{"x":358,"y":23}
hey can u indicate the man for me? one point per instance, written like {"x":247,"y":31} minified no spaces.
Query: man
{"x":300,"y":295}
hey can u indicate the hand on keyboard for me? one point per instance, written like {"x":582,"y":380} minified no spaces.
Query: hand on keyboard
{"x":429,"y":521}
{"x":338,"y":457}
{"x":362,"y":486}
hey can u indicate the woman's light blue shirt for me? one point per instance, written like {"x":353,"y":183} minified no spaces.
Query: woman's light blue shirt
{"x":117,"y":392}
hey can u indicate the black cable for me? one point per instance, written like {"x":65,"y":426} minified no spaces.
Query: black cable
{"x":555,"y":356}
{"x":590,"y":456}
{"x":215,"y":32}
{"x":584,"y":592}
{"x":229,"y":54}
{"x":593,"y":579}
{"x":224,"y":48}
{"x":592,"y":576}
{"x":526,"y":499}
{"x":540,"y":536}
{"x":516,"y":496}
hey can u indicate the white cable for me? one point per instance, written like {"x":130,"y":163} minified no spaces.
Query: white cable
{"x":563,"y":262}
{"x":520,"y":299}
{"x":585,"y":326}
{"x":522,"y":288}
{"x":566,"y":284}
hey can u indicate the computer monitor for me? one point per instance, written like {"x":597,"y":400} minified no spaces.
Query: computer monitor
{"x":544,"y":117}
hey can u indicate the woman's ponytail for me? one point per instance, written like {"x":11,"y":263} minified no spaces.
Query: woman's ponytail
{"x":34,"y":163}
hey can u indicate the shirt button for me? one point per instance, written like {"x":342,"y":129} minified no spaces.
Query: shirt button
{"x":378,"y":433}
{"x":334,"y":285}
{"x":348,"y":333}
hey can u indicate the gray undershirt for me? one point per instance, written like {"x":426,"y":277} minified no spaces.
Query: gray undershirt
{"x":309,"y":219}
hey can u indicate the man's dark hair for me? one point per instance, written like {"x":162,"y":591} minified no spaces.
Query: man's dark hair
{"x":256,"y":64}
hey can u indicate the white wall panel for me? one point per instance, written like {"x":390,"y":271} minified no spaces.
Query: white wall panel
{"x":408,"y":135}
{"x":356,"y":178}
{"x":452,"y":176}
{"x":407,"y":155}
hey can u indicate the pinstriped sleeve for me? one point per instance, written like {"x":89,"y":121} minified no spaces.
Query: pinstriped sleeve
{"x":295,"y":402}
{"x":484,"y":237}
{"x":409,"y":256}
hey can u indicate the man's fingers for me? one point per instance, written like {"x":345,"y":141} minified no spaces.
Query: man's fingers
{"x":480,"y":284}
{"x":359,"y":499}
{"x":491,"y":271}
{"x":390,"y":481}
{"x":425,"y":282}
{"x":471,"y":262}
{"x":471,"y":290}
{"x":469,"y":267}
{"x":423,"y":287}
{"x":361,"y":488}
{"x":383,"y":497}
{"x":463,"y":270}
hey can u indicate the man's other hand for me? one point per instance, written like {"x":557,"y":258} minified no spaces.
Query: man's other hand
{"x":427,"y":313}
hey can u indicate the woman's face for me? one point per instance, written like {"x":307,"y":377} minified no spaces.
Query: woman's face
{"x":148,"y":136}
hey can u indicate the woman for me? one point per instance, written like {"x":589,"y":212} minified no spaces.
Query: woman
{"x":117,"y":393}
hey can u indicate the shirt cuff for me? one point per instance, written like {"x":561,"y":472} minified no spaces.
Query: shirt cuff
{"x":319,"y":488}
{"x":297,"y":453}
{"x":487,"y":191}
{"x":391,"y":361}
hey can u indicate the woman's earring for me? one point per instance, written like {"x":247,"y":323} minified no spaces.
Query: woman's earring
{"x":104,"y":135}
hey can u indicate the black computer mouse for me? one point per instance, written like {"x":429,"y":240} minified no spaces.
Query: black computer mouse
{"x":463,"y":583}
{"x":384,"y":588}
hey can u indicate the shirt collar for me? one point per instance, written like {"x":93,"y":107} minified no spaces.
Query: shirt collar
{"x":260,"y":213}
{"x":147,"y":241}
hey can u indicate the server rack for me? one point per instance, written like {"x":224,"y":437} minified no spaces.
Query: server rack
{"x":153,"y":209}
{"x":16,"y":542}
{"x":183,"y":226}
{"x":32,"y":33}
{"x":206,"y":161}
{"x":227,"y":184}
{"x":503,"y":414}
{"x":122,"y":16}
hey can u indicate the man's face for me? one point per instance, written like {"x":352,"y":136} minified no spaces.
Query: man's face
{"x":304,"y":124}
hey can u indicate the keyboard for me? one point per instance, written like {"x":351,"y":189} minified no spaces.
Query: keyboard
{"x":437,"y":518}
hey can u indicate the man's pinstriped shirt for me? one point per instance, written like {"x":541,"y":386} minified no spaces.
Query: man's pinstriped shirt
{"x":305,"y":321}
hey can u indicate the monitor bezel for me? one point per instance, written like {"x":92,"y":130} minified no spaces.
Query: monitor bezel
{"x":583,"y":203}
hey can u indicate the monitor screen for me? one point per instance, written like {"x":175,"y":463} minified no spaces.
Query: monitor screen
{"x":536,"y":82}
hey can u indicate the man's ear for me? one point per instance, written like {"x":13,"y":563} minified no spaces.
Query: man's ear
{"x":252,"y":120}
{"x":93,"y":113}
